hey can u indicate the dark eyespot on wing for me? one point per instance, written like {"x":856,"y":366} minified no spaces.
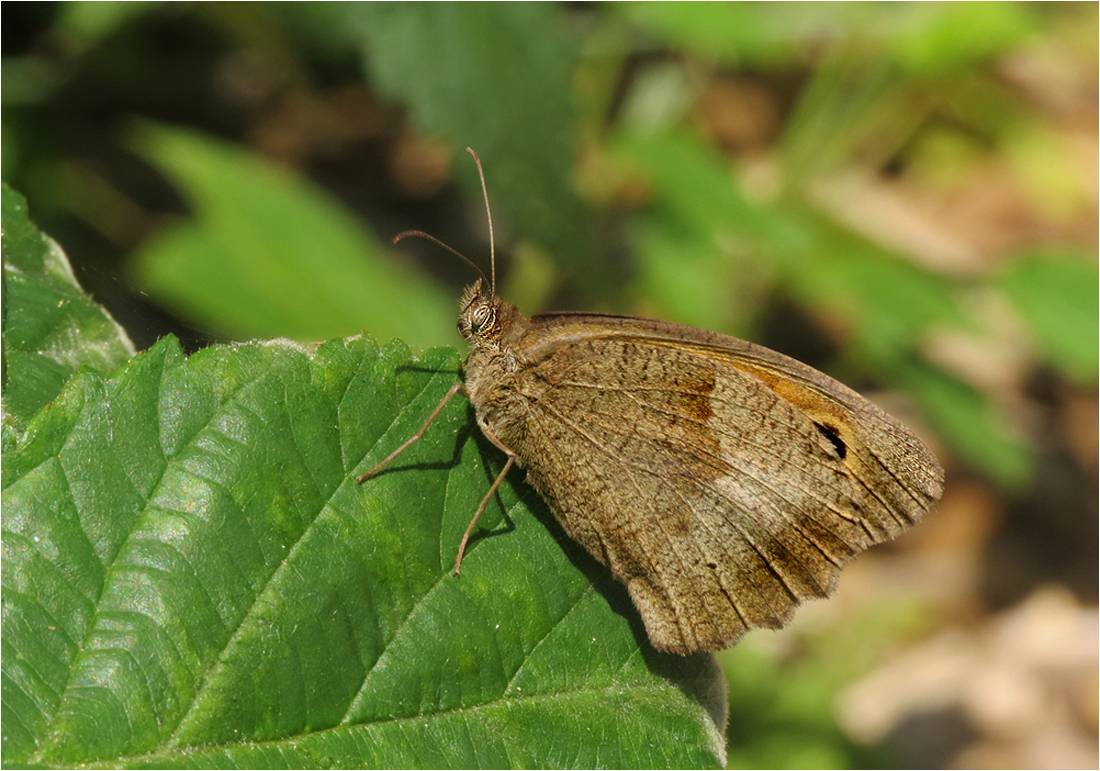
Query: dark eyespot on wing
{"x":830,"y":433}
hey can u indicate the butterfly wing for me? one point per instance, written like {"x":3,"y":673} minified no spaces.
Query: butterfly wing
{"x":722,"y":482}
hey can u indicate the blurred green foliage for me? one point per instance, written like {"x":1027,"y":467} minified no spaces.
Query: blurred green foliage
{"x":1056,"y":297}
{"x":609,"y":186}
{"x":267,"y":254}
{"x":476,"y":74}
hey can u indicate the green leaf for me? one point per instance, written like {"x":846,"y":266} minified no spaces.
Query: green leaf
{"x":51,"y":327}
{"x":1056,"y":296}
{"x":268,"y":254}
{"x":192,"y":577}
{"x":497,"y":77}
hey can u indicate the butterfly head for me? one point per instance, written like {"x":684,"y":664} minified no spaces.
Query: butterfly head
{"x":479,"y":314}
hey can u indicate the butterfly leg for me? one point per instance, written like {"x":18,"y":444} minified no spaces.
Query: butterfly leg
{"x":489,"y":495}
{"x":455,"y":389}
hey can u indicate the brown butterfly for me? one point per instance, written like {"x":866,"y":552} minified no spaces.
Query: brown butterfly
{"x":722,"y":482}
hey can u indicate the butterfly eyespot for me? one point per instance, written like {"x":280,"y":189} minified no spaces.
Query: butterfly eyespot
{"x":833,"y":435}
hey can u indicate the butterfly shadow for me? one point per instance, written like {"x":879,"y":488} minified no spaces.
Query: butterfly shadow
{"x":492,"y":463}
{"x":461,"y":436}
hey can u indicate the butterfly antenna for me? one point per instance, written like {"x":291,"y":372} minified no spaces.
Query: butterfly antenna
{"x":436,"y":241}
{"x":489,"y":214}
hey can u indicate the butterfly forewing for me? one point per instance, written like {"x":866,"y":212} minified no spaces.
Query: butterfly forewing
{"x":722,"y":482}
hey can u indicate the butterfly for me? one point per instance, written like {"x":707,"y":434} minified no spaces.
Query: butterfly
{"x":722,"y":482}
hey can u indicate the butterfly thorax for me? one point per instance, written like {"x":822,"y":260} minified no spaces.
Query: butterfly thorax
{"x":492,"y":327}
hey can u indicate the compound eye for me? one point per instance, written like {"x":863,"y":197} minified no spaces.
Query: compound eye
{"x":480,"y":318}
